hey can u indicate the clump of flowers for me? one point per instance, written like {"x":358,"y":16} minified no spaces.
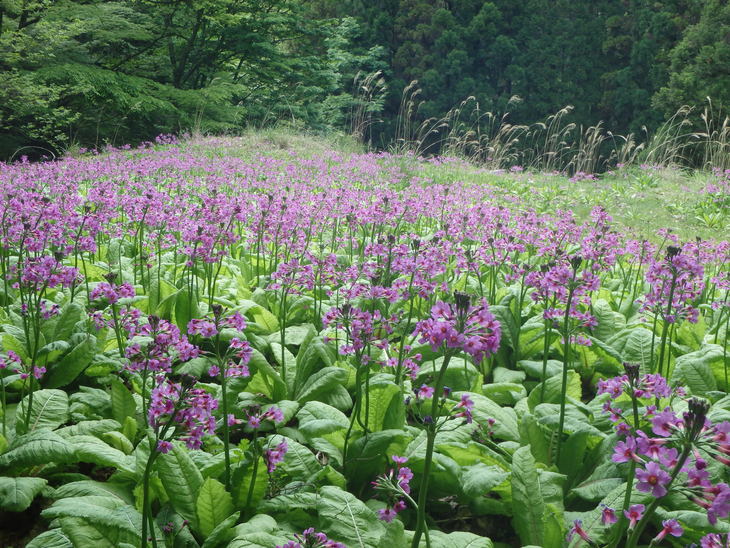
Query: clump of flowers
{"x":311,"y":539}
{"x":674,"y":283}
{"x":462,"y":326}
{"x":663,"y":448}
{"x":177,"y":408}
{"x":395,"y":487}
{"x":360,"y":326}
{"x":13,"y":362}
{"x":275,"y":455}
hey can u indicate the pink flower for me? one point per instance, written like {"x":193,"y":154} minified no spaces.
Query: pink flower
{"x":653,"y":479}
{"x":608,"y":516}
{"x":164,"y":446}
{"x":577,"y":529}
{"x":275,"y":456}
{"x":625,"y":451}
{"x":425,"y":392}
{"x":634,"y":514}
{"x":669,"y":527}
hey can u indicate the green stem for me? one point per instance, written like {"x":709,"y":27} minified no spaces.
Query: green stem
{"x":431,"y":439}
{"x":566,"y":359}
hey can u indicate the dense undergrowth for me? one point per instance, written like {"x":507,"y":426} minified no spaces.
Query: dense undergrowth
{"x":254,"y":343}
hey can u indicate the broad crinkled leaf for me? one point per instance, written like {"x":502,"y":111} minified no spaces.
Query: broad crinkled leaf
{"x":213,"y":506}
{"x":49,"y":411}
{"x":694,"y":370}
{"x":346,"y":518}
{"x":17,"y":494}
{"x":528,"y":506}
{"x":182,"y":481}
{"x":38,"y":447}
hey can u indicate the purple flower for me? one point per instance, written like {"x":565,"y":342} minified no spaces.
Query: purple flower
{"x":625,"y":451}
{"x":608,"y":515}
{"x":720,"y":507}
{"x":425,"y":392}
{"x":634,"y":514}
{"x":465,"y":406}
{"x":652,"y":479}
{"x":713,"y":540}
{"x":669,"y":527}
{"x":664,"y":423}
{"x":577,"y":529}
{"x":275,"y":456}
{"x":164,"y":446}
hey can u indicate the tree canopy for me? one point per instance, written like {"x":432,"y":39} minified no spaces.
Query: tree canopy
{"x":91,"y":72}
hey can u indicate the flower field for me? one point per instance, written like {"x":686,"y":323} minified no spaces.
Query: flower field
{"x":221,"y":344}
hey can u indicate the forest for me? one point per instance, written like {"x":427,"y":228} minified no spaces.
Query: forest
{"x":90,"y":73}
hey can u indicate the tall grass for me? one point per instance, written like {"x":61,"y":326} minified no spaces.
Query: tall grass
{"x":557,"y":144}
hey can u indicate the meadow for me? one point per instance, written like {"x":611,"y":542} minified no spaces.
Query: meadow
{"x":279,"y":341}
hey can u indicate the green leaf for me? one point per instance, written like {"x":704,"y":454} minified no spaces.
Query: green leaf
{"x":384,"y":407}
{"x":39,"y":447}
{"x":504,"y":393}
{"x":694,"y":370}
{"x":100,"y":520}
{"x":553,"y":388}
{"x":595,"y":490}
{"x":17,"y":494}
{"x":123,"y":404}
{"x":93,"y":450}
{"x":55,"y":538}
{"x":457,"y":539}
{"x":213,"y":506}
{"x":609,"y":322}
{"x":118,"y":441}
{"x":71,"y":314}
{"x":319,"y":383}
{"x":538,"y":437}
{"x":634,"y":345}
{"x":241,"y":480}
{"x":97,"y":488}
{"x":186,"y":308}
{"x":534,"y":368}
{"x":347,"y":519}
{"x":223,"y":532}
{"x":315,"y":356}
{"x":182,"y":481}
{"x":49,"y":411}
{"x":369,"y":454}
{"x":71,"y":365}
{"x":259,"y":532}
{"x":479,"y":479}
{"x":528,"y":506}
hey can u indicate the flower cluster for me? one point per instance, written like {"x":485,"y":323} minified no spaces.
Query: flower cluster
{"x":645,"y":386}
{"x":13,"y":362}
{"x":165,"y":345}
{"x":472,"y":329}
{"x":674,"y":283}
{"x":395,"y":484}
{"x":361,"y":327}
{"x":47,"y":271}
{"x":111,"y":292}
{"x":311,"y":539}
{"x":275,"y":455}
{"x":208,"y":329}
{"x":182,"y":409}
{"x":243,"y":351}
{"x":669,"y":456}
